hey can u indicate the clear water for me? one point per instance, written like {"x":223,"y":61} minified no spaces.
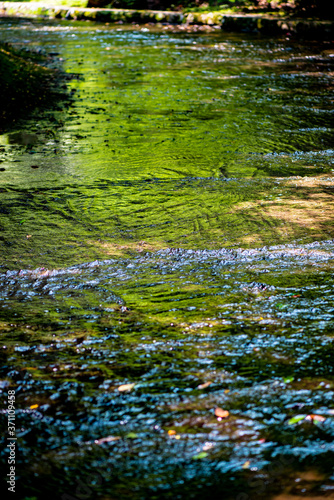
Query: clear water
{"x":171,"y":228}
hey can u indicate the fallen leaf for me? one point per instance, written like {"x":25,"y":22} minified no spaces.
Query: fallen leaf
{"x":219,"y":412}
{"x":246,"y":465}
{"x":205,"y":385}
{"x":208,"y":446}
{"x":33,"y":407}
{"x":131,"y":435}
{"x":171,"y":432}
{"x":108,"y":439}
{"x":296,"y":419}
{"x":126,"y":387}
{"x":315,"y":418}
{"x":199,"y":456}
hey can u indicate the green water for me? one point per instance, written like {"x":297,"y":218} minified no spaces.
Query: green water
{"x":171,"y":228}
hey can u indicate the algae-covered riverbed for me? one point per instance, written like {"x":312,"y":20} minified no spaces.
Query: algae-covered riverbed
{"x":166,"y":282}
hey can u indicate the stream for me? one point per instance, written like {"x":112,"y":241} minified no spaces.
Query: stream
{"x":166,"y":273}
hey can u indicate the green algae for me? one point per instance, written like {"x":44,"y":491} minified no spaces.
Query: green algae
{"x":232,"y":140}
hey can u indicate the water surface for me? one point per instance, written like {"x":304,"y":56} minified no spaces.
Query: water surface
{"x":170,"y":229}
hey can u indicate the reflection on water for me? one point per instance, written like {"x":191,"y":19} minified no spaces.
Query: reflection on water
{"x":167,"y":250}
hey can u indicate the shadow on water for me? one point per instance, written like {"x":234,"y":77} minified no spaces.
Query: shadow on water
{"x":166,"y":268}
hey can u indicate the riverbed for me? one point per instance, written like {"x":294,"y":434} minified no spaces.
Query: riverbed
{"x":166,"y":278}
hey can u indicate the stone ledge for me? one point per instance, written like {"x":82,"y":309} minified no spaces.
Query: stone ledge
{"x":41,"y":10}
{"x":273,"y":25}
{"x":246,"y":23}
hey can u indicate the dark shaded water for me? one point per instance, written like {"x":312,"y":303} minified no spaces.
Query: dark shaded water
{"x":137,"y":294}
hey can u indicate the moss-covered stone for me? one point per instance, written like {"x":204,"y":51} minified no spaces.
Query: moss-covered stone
{"x":248,"y":23}
{"x":274,"y":25}
{"x":36,"y":9}
{"x":210,"y":18}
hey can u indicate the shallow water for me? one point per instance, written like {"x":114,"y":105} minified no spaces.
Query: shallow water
{"x":171,"y":229}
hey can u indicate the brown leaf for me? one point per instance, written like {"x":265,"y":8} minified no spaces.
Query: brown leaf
{"x":205,"y":385}
{"x":126,"y":387}
{"x":108,"y":439}
{"x":220,"y":413}
{"x":316,"y":418}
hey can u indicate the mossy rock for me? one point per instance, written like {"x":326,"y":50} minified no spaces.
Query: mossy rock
{"x":210,"y":18}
